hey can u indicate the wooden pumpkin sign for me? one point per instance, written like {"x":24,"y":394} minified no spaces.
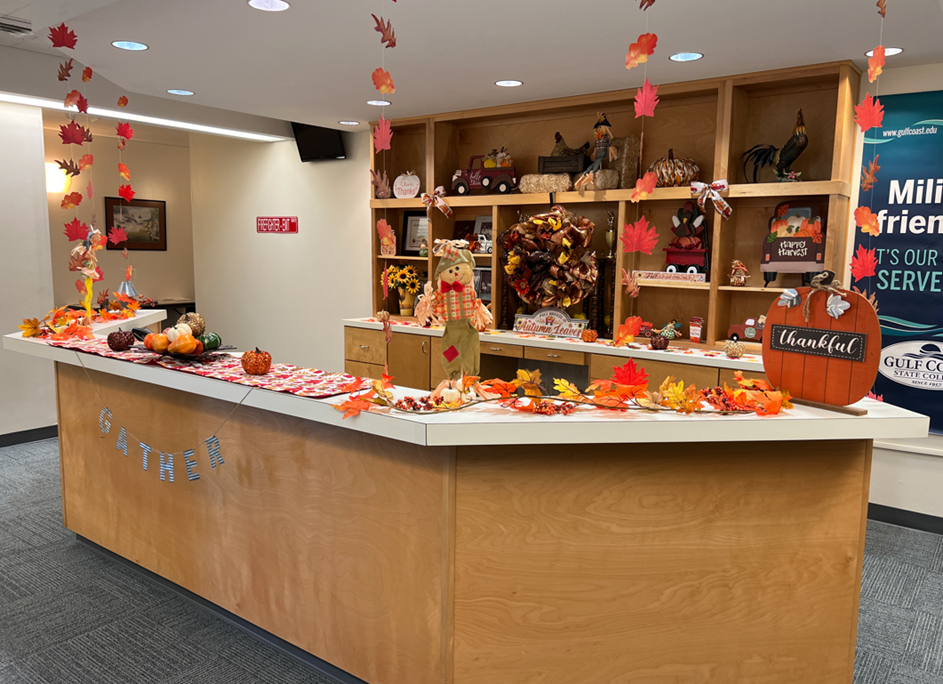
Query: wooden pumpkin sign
{"x":833,"y":357}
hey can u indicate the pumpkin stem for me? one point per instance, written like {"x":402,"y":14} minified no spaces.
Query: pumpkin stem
{"x":258,"y":351}
{"x":671,"y":155}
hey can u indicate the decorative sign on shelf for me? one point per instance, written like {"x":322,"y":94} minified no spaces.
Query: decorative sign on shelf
{"x":549,"y":321}
{"x":822,"y":344}
{"x":276,"y":224}
{"x":670,"y":276}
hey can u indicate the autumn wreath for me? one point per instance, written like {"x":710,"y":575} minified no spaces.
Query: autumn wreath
{"x":549,"y":260}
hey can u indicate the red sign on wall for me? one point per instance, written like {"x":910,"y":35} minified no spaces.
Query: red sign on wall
{"x":276,"y":224}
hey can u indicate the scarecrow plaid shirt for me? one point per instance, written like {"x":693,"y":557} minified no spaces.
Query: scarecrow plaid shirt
{"x":454,"y":306}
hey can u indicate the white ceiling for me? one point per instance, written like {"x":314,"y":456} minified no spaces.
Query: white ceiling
{"x":313,"y":62}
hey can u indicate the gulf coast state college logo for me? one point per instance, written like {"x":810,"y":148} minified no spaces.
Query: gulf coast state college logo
{"x":918,"y":364}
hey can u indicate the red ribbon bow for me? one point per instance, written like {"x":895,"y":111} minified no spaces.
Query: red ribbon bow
{"x":452,"y":287}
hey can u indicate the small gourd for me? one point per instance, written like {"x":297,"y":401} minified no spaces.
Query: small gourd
{"x":675,"y":172}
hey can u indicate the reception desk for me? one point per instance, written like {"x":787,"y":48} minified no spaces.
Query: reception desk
{"x":488,"y":545}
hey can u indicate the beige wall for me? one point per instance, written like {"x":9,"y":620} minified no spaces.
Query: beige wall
{"x":284,"y":293}
{"x":27,"y":385}
{"x":160,"y":170}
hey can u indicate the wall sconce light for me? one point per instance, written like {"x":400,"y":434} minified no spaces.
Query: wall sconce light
{"x":57,"y":180}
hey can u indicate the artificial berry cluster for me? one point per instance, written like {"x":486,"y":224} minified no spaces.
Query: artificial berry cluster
{"x":549,"y":408}
{"x":425,"y":403}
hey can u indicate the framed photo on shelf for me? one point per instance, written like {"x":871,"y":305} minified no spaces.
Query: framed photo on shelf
{"x":482,"y":283}
{"x":415,"y":230}
{"x":484,"y":233}
{"x":144,"y":222}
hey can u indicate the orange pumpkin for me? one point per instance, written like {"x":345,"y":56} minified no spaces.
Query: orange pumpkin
{"x":159,"y":343}
{"x":184,"y":344}
{"x":674,"y":172}
{"x":256,"y":362}
{"x":149,"y":341}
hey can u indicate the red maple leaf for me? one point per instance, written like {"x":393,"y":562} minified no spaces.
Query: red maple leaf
{"x":62,"y":37}
{"x":382,"y":135}
{"x":86,"y":161}
{"x":869,"y":114}
{"x":629,"y":375}
{"x":383,"y":82}
{"x":73,"y":134}
{"x":65,"y":70}
{"x":385,"y":30}
{"x":80,"y":286}
{"x":863,"y":263}
{"x":86,"y":74}
{"x":646,"y":100}
{"x":645,"y":4}
{"x":122,"y":101}
{"x":640,"y":50}
{"x":639,"y":237}
{"x":75,"y":230}
{"x":125,"y":131}
{"x":124,"y":171}
{"x":126,"y":192}
{"x":644,"y":186}
{"x":116,"y":236}
{"x":71,"y":201}
{"x":876,"y":64}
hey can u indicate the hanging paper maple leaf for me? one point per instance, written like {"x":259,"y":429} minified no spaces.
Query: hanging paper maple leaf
{"x":73,"y":134}
{"x":529,"y":381}
{"x":71,"y":201}
{"x":65,"y":70}
{"x":876,"y":64}
{"x":124,"y":130}
{"x":639,"y":237}
{"x":70,"y":167}
{"x":383,"y":82}
{"x":645,"y":4}
{"x":627,"y":331}
{"x":881,"y":5}
{"x":62,"y":37}
{"x":80,"y":286}
{"x":122,"y":143}
{"x":382,"y":135}
{"x":385,"y":30}
{"x":76,"y":230}
{"x":86,"y":161}
{"x":629,"y":375}
{"x":864,"y":263}
{"x":869,"y":174}
{"x":122,"y":101}
{"x":88,"y":134}
{"x":644,"y":186}
{"x":72,"y":98}
{"x":869,"y":114}
{"x":91,"y":193}
{"x":385,"y":230}
{"x":124,"y":171}
{"x":116,"y":236}
{"x":646,"y":100}
{"x":640,"y":50}
{"x":382,"y":184}
{"x":867,"y":221}
{"x":86,"y":74}
{"x":126,"y":192}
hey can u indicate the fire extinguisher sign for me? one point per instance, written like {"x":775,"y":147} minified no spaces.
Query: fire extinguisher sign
{"x":276,"y":224}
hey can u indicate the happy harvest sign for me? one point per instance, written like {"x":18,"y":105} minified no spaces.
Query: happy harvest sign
{"x":835,"y":344}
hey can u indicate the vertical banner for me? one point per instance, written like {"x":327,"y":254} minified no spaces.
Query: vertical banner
{"x":902,"y":264}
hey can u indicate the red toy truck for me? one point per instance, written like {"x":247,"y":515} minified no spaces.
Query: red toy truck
{"x":501,"y":179}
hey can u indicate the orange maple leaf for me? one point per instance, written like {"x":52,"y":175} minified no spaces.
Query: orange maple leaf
{"x":382,"y":135}
{"x":646,"y":100}
{"x":123,"y":101}
{"x":124,"y":171}
{"x":529,"y":381}
{"x":627,"y":331}
{"x":387,"y":381}
{"x":751,"y":383}
{"x":639,"y":237}
{"x":500,"y":387}
{"x":354,"y":405}
{"x":869,"y":114}
{"x":86,"y":161}
{"x":876,"y":64}
{"x":31,"y":327}
{"x":863,"y":263}
{"x":867,"y":221}
{"x":129,"y":271}
{"x":383,"y":82}
{"x":65,"y":70}
{"x":72,"y":98}
{"x":869,"y":174}
{"x":62,"y":37}
{"x":353,"y":386}
{"x":644,"y":186}
{"x":71,"y":201}
{"x":86,"y":74}
{"x":640,"y":50}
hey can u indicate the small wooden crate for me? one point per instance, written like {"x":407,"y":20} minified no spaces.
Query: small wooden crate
{"x":574,"y":163}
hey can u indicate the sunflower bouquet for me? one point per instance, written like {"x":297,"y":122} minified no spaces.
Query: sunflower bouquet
{"x":408,"y":282}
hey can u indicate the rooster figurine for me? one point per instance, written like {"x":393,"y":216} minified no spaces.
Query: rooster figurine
{"x":781,"y":159}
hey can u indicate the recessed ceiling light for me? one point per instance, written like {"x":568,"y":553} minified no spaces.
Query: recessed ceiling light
{"x":686,"y":56}
{"x":349,"y":123}
{"x":129,"y":45}
{"x":378,"y":103}
{"x":888,"y":52}
{"x":269,"y":5}
{"x":509,"y":84}
{"x":174,"y":91}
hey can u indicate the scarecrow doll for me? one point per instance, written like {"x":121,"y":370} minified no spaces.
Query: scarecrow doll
{"x":602,"y":150}
{"x":456,"y":302}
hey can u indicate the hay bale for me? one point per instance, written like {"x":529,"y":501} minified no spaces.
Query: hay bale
{"x":627,"y":162}
{"x":606,"y":179}
{"x":545,"y":182}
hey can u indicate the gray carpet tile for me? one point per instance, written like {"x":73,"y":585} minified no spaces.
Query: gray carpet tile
{"x":69,"y":615}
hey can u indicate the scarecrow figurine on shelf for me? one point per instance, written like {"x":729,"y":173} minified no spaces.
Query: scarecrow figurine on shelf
{"x":603,"y":150}
{"x":456,"y":302}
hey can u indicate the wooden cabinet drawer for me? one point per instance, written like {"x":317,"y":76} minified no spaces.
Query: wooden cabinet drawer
{"x":554,"y":356}
{"x":514,"y":351}
{"x":366,"y":346}
{"x":601,"y":366}
{"x":726,"y":375}
{"x":363,"y":370}
{"x":409,"y":360}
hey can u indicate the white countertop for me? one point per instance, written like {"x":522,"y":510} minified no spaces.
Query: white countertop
{"x":678,"y":354}
{"x":489,"y":424}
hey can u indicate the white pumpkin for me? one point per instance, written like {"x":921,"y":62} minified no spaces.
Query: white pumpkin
{"x":407,"y":185}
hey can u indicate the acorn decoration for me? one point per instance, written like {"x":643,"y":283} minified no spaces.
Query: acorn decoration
{"x":120,"y":340}
{"x":590,"y":336}
{"x":675,"y":172}
{"x":734,"y":350}
{"x":256,"y":362}
{"x":195,"y":321}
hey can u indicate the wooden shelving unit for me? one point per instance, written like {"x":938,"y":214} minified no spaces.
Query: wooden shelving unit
{"x":713,"y":121}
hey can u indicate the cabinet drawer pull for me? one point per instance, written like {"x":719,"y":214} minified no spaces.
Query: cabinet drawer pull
{"x":553,"y":356}
{"x":423,"y":346}
{"x":364,"y":346}
{"x":496,"y":349}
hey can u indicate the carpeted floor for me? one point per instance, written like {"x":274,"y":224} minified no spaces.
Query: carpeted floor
{"x":70,"y":615}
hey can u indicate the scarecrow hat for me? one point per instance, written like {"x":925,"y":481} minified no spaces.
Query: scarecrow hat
{"x":451,"y":253}
{"x":603,"y":121}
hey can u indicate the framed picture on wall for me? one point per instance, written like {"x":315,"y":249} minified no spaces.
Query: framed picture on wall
{"x":415,"y":230}
{"x":144,"y":222}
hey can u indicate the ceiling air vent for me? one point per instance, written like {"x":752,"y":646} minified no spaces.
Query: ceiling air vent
{"x":16,"y":27}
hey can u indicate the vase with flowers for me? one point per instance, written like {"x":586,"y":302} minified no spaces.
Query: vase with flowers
{"x":408,"y":282}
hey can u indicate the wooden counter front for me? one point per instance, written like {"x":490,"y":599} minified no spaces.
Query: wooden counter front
{"x":558,"y":564}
